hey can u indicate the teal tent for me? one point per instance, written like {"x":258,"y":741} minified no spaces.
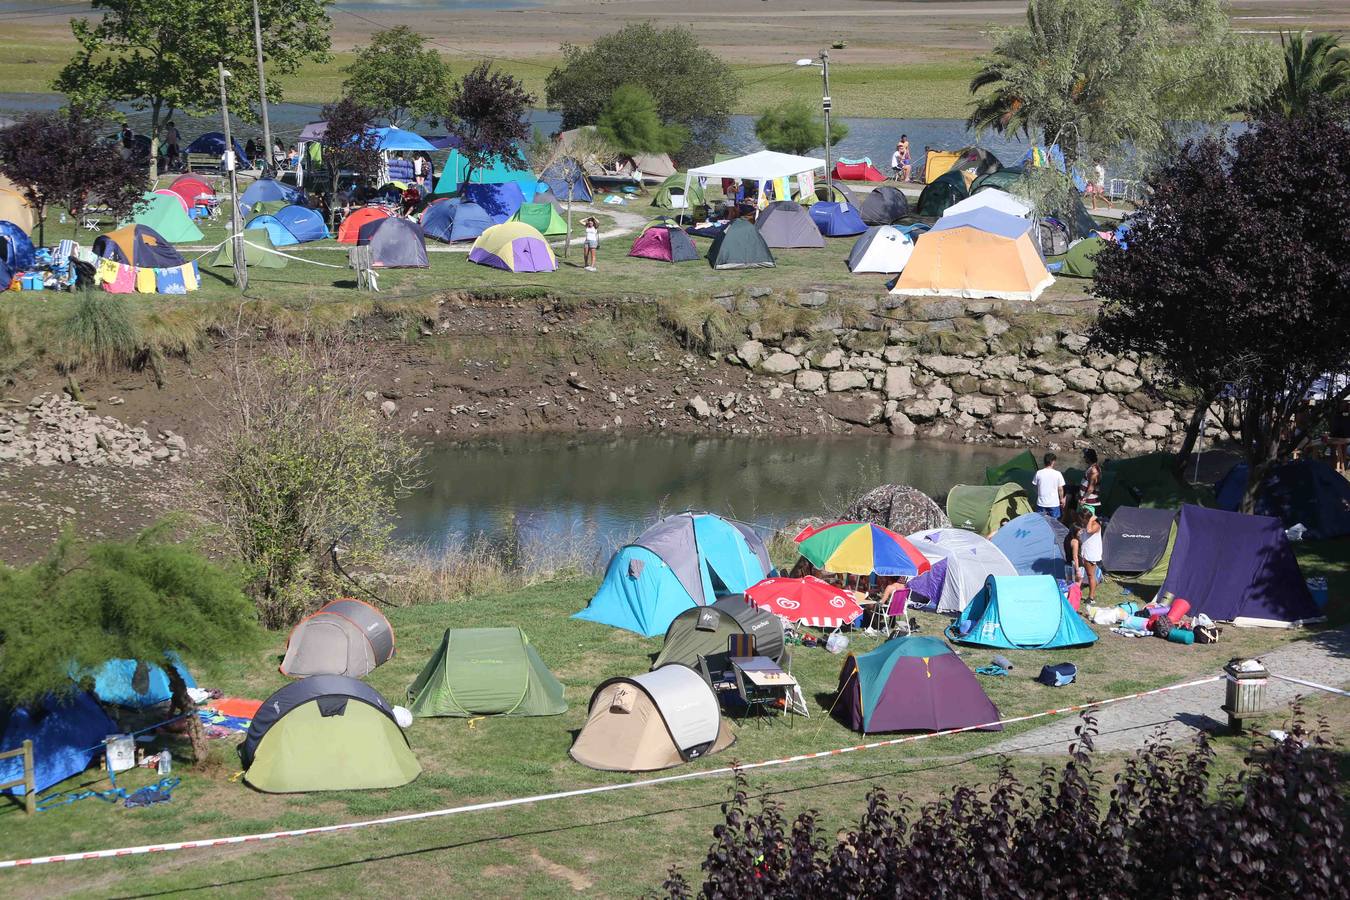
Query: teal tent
{"x":500,"y":171}
{"x":682,"y":561}
{"x":1021,"y":612}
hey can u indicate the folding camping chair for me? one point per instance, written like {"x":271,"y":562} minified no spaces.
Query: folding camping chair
{"x":894,"y":617}
{"x":741,"y":645}
{"x":91,"y":219}
{"x":718,"y":672}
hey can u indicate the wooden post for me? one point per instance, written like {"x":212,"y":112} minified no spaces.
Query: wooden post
{"x":29,"y":779}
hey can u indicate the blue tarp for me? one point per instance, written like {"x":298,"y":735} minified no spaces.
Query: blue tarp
{"x":1022,"y":612}
{"x":500,"y":201}
{"x":1034,"y":544}
{"x":66,"y":734}
{"x":266,"y":189}
{"x":837,"y":219}
{"x":115,"y":682}
{"x":988,"y":220}
{"x":213,"y":142}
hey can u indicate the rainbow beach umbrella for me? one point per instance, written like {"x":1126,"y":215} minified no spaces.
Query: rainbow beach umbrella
{"x":860,"y":548}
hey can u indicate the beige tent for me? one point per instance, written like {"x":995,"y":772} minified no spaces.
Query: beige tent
{"x":345,"y":637}
{"x":14,"y":206}
{"x":651,"y":721}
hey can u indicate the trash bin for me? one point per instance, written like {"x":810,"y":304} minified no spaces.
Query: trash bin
{"x":1244,"y":690}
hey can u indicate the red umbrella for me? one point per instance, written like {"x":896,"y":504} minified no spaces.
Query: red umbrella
{"x":806,"y":601}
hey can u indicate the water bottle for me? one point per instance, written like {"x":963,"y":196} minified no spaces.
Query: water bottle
{"x":63,"y":218}
{"x":165,"y":763}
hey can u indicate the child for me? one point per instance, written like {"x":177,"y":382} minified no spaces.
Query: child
{"x":592,"y":243}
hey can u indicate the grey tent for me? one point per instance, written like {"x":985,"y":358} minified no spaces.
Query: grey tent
{"x":886,"y":205}
{"x":740,"y":246}
{"x":651,"y":721}
{"x":898,"y":507}
{"x":703,"y":631}
{"x":1136,"y":539}
{"x":345,"y":637}
{"x":838,"y":192}
{"x":784,"y":224}
{"x":394,"y":243}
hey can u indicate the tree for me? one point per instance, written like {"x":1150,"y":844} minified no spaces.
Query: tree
{"x":1233,"y":283}
{"x":399,"y":78}
{"x":1316,"y":70}
{"x":349,"y":144}
{"x":62,"y":618}
{"x":487,"y":109}
{"x":794,"y":127}
{"x":631,"y":124}
{"x":1097,"y":75}
{"x":692,"y":86}
{"x":299,"y":464}
{"x":87,"y":165}
{"x":161,"y":55}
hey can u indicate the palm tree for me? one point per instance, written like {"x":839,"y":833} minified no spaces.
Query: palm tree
{"x":1316,"y":68}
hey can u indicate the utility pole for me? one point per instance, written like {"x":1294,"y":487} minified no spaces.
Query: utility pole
{"x":236,"y":221}
{"x":262,"y":93}
{"x":825,"y":107}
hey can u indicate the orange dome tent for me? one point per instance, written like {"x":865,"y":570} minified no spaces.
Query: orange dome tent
{"x":351,"y":226}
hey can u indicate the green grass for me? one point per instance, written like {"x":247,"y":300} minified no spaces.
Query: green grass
{"x":607,"y":845}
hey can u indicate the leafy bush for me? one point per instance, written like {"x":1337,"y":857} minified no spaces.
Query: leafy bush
{"x":299,"y":463}
{"x":1274,"y":830}
{"x":794,"y":127}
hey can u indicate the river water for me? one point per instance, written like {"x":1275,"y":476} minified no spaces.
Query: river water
{"x":558,"y":491}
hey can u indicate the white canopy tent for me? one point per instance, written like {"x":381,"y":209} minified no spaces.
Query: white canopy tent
{"x":760,"y":167}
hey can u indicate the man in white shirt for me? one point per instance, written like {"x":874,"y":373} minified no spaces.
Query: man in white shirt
{"x":1049,"y":485}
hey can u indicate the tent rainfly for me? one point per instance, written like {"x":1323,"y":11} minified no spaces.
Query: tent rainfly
{"x":345,"y":637}
{"x":703,"y":631}
{"x":486,"y":672}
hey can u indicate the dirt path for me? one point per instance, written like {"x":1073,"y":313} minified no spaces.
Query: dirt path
{"x":1323,"y":658}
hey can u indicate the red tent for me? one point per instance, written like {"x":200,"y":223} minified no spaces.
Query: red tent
{"x":351,"y":226}
{"x":859,"y":171}
{"x":191,"y":189}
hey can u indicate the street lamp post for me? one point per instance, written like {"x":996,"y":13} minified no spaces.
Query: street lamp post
{"x":825,"y":104}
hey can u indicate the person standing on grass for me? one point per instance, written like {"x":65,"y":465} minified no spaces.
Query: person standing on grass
{"x":1089,"y":489}
{"x":1049,"y":485}
{"x":1085,"y":545}
{"x":592,"y":243}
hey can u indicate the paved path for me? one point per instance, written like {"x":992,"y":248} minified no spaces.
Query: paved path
{"x":1323,"y":658}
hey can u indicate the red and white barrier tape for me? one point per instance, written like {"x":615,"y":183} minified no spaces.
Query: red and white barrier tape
{"x":580,"y":792}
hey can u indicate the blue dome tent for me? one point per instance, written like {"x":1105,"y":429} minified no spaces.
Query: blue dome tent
{"x":501,"y":201}
{"x":452,"y":220}
{"x":1034,"y":544}
{"x":564,"y":175}
{"x":837,"y":219}
{"x":16,"y":249}
{"x":395,"y":139}
{"x":291,"y":225}
{"x":213,"y":142}
{"x":266,"y":189}
{"x":1021,"y":612}
{"x":66,"y":733}
{"x":682,"y":561}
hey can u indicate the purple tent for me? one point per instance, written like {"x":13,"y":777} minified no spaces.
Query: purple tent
{"x":1237,"y":568}
{"x":913,"y":683}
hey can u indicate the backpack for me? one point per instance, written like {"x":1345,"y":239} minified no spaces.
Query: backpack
{"x":1053,"y":237}
{"x":1058,"y":674}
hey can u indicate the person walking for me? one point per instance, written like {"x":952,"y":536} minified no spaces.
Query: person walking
{"x":1049,"y":485}
{"x":171,"y":141}
{"x":1085,"y":545}
{"x":592,"y":244}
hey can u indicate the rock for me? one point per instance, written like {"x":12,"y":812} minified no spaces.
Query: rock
{"x":899,"y":383}
{"x":938,"y":390}
{"x":1101,"y":361}
{"x":964,"y":384}
{"x":810,"y":381}
{"x":160,"y":454}
{"x":1010,"y":425}
{"x":779,"y":363}
{"x":921,"y":410}
{"x":727,"y":401}
{"x":389,"y":408}
{"x":698,"y":407}
{"x":1155,"y":431}
{"x":900,"y":425}
{"x":939,"y":309}
{"x":846,"y":381}
{"x":858,"y":409}
{"x":947,"y":365}
{"x":750,"y":353}
{"x":795,"y":345}
{"x":1127,"y":366}
{"x":371,"y":396}
{"x":1067,"y":421}
{"x":173,"y":441}
{"x":1067,"y":400}
{"x":1117,"y":383}
{"x":1017,"y":403}
{"x":392,"y":394}
{"x":830,"y":359}
{"x":897,"y":354}
{"x":1081,"y":378}
{"x":760,"y":290}
{"x":1001,"y":366}
{"x":867,"y":363}
{"x":993,"y":326}
{"x":1045,"y":385}
{"x":1074,"y":343}
{"x":976,"y":405}
{"x":997,"y":387}
{"x":813,"y":299}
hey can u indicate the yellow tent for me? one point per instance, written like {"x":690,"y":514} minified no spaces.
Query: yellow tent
{"x":14,"y":206}
{"x":981,"y":254}
{"x":939,"y":162}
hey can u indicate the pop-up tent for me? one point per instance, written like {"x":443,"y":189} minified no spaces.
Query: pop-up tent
{"x":961,"y":562}
{"x":740,"y":246}
{"x":16,"y":249}
{"x":985,"y":508}
{"x":664,"y":241}
{"x":394,"y":244}
{"x":1238,"y":568}
{"x":137,"y":684}
{"x":1021,"y":612}
{"x":684,"y":560}
{"x":192,"y":189}
{"x":1081,"y":260}
{"x":912,"y":683}
{"x":1305,"y":492}
{"x":67,"y":733}
{"x":514,"y":247}
{"x":1137,"y":545}
{"x":978,"y":254}
{"x":456,"y":221}
{"x":837,"y":219}
{"x":542,"y":217}
{"x":885,"y":205}
{"x":166,"y":215}
{"x":174,"y":196}
{"x":213,"y":143}
{"x":762,"y":168}
{"x":991,"y":198}
{"x":856,"y":170}
{"x":703,"y":631}
{"x":1034,"y":544}
{"x":326,"y":733}
{"x":345,"y":637}
{"x":651,"y":721}
{"x":486,"y":672}
{"x":884,"y":249}
{"x":500,"y":200}
{"x":785,"y":223}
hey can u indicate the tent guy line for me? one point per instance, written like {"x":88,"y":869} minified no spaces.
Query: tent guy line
{"x":579,"y":792}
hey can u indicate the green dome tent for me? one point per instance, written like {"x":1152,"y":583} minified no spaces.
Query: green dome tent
{"x":984,"y":508}
{"x":947,"y":190}
{"x":740,"y":246}
{"x":1080,"y":261}
{"x":670,"y":193}
{"x":165,"y":214}
{"x":256,"y":245}
{"x":1020,"y":470}
{"x":543,"y":217}
{"x":486,"y":672}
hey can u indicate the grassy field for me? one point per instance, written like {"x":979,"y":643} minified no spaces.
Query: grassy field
{"x":607,"y":845}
